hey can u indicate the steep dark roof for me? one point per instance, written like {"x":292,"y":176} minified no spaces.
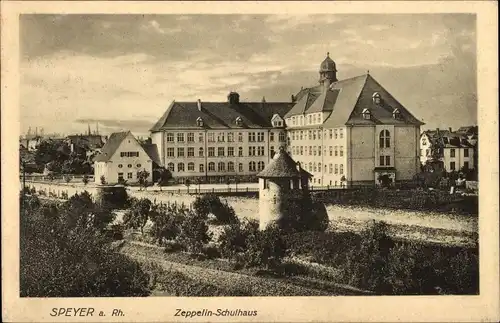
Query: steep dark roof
{"x":346,"y":99}
{"x":109,"y":148}
{"x":87,"y":141}
{"x":284,"y":166}
{"x":220,"y":115}
{"x":152,"y":151}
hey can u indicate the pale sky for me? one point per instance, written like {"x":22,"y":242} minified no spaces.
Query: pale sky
{"x":123,"y":71}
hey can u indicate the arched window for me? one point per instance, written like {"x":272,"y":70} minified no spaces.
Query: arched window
{"x":211,"y":167}
{"x":260,"y":166}
{"x":202,"y":168}
{"x":385,"y":139}
{"x":240,"y":151}
{"x":200,"y":152}
{"x":230,"y":167}
{"x":191,"y":167}
{"x":221,"y":167}
{"x":171,"y":167}
{"x":240,"y":167}
{"x":180,"y":167}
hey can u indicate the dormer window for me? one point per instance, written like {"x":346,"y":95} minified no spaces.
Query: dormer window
{"x":396,"y":114}
{"x":199,"y":122}
{"x":376,"y":98}
{"x":277,"y":121}
{"x":238,"y":121}
{"x":366,"y":114}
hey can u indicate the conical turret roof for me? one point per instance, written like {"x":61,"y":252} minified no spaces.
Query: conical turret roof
{"x":284,"y":166}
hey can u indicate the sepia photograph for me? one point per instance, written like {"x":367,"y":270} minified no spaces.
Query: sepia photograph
{"x":248,"y":155}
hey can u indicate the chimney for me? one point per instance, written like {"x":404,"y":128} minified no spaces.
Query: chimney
{"x":450,"y":129}
{"x":199,"y":105}
{"x":293,"y":98}
{"x":233,"y":98}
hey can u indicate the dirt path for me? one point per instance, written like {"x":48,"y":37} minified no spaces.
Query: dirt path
{"x":259,"y":286}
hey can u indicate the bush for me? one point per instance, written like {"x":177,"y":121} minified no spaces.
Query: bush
{"x":172,"y":246}
{"x":305,"y":215}
{"x":62,"y":255}
{"x":194,"y":232}
{"x":167,"y":220}
{"x":210,"y":203}
{"x":234,"y":238}
{"x":265,"y":248}
{"x":138,"y":215}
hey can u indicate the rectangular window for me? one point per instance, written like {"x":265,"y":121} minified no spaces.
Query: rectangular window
{"x":170,"y":152}
{"x":319,"y":150}
{"x":319,"y":134}
{"x":335,"y":133}
{"x":271,"y":136}
{"x":336,"y":168}
{"x":452,"y":165}
{"x":301,"y":150}
{"x":180,"y":137}
{"x":170,"y":137}
{"x":330,"y":168}
{"x":240,"y":137}
{"x":240,"y":167}
{"x":190,"y":151}
{"x":341,"y":133}
{"x":260,"y":137}
{"x":282,"y":137}
{"x":310,"y":150}
{"x":330,"y":132}
{"x":452,"y":153}
{"x":387,"y":160}
{"x":200,"y":137}
{"x":129,"y":154}
{"x":314,"y":151}
{"x":129,"y":175}
{"x":251,"y":151}
{"x":190,"y":167}
{"x":293,"y":135}
{"x":211,"y":137}
{"x":220,"y":151}
{"x":382,"y":160}
{"x":260,"y":151}
{"x":230,"y":137}
{"x":202,"y":168}
{"x":466,"y":165}
{"x":341,"y":169}
{"x":309,"y":134}
{"x":120,"y":176}
{"x":466,"y":152}
{"x":301,"y":134}
{"x":180,"y":152}
{"x":341,"y":151}
{"x":240,"y":151}
{"x":211,"y":151}
{"x":336,"y":151}
{"x":331,"y":150}
{"x":220,"y":137}
{"x":314,"y":134}
{"x":200,"y":152}
{"x":190,"y":137}
{"x":230,"y":151}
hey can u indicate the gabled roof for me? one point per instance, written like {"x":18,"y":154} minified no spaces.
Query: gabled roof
{"x":284,"y":166}
{"x":346,"y":99}
{"x":152,"y":151}
{"x":110,"y":147}
{"x":448,"y":139}
{"x":220,"y":115}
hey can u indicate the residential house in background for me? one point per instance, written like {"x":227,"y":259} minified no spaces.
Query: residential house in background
{"x":352,"y":131}
{"x":456,"y":149}
{"x":218,"y":141}
{"x":121,"y":157}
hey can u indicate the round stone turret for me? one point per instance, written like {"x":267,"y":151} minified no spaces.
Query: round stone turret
{"x":281,"y":182}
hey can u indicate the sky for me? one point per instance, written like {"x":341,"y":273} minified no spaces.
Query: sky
{"x":123,"y":71}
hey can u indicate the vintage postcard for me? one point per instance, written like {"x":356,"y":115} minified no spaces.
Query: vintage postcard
{"x":250,"y":161}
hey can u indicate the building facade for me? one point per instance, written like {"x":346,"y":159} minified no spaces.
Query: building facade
{"x":219,"y":141}
{"x":456,"y":150}
{"x":352,"y":132}
{"x":121,"y":158}
{"x":345,"y":132}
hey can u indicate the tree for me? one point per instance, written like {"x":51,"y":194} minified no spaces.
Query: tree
{"x":228,"y":182}
{"x":138,"y":215}
{"x":187,"y":183}
{"x":194,"y":232}
{"x":103,"y":180}
{"x":167,"y":221}
{"x":142,"y":176}
{"x":67,"y":178}
{"x":164,"y":175}
{"x":211,"y":203}
{"x":85,"y":179}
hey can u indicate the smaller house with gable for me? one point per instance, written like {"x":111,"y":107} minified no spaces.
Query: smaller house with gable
{"x":122,"y":157}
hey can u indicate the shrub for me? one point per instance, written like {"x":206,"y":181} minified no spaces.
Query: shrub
{"x":62,"y":260}
{"x":305,"y":215}
{"x":85,"y":179}
{"x":138,"y":215}
{"x":234,"y":238}
{"x":103,"y":180}
{"x":210,"y":203}
{"x":172,"y":246}
{"x":211,"y":252}
{"x":265,"y":248}
{"x":167,"y":220}
{"x":194,"y":232}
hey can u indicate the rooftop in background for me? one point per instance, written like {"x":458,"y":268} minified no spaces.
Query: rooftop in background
{"x":283,"y":166}
{"x":464,"y":137}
